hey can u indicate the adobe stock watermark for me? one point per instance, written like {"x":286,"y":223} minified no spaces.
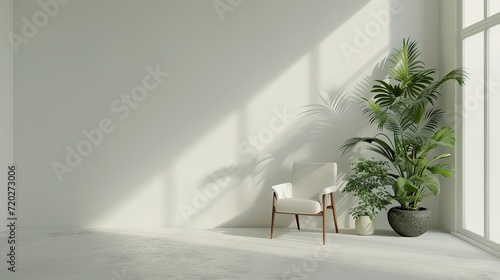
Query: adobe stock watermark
{"x":223,"y":6}
{"x":122,"y":107}
{"x":310,"y":264}
{"x":248,"y":150}
{"x":363,"y":37}
{"x":31,"y":26}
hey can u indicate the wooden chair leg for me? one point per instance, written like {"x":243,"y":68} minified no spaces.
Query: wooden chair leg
{"x":324,"y":219}
{"x":334,"y":213}
{"x":272,"y":218}
{"x":297,"y":220}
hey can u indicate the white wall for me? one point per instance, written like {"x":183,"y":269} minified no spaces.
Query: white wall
{"x":6,"y":96}
{"x":448,"y":35}
{"x":214,"y":134}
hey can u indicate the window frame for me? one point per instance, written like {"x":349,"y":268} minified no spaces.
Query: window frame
{"x":484,"y":26}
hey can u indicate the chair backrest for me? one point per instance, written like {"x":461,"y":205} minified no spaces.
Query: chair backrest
{"x":309,"y":178}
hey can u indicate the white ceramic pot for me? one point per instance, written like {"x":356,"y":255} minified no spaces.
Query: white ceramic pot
{"x":364,"y":225}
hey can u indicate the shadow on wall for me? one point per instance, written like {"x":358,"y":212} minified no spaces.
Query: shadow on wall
{"x":321,"y":130}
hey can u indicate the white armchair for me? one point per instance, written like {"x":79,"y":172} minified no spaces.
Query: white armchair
{"x":310,"y":193}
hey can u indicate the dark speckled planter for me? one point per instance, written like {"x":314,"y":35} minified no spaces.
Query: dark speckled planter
{"x":409,"y":223}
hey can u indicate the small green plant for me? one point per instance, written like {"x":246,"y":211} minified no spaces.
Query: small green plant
{"x":368,"y":184}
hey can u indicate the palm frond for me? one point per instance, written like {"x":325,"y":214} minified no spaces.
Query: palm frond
{"x":431,"y":121}
{"x":405,"y":61}
{"x":393,"y":124}
{"x":374,"y":113}
{"x":432,"y":92}
{"x":382,"y":147}
{"x":385,"y":94}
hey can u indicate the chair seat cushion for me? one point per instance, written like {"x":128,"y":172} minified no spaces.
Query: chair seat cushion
{"x":298,"y":206}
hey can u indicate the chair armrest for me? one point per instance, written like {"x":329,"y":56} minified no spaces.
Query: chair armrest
{"x":283,"y":190}
{"x":326,"y":191}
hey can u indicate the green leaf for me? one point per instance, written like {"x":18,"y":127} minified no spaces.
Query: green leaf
{"x":444,"y":137}
{"x":374,"y":106}
{"x":445,"y":170}
{"x":400,"y":182}
{"x":432,"y":183}
{"x":410,"y":187}
{"x":441,"y":156}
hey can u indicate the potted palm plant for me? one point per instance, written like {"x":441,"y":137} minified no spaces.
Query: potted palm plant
{"x":404,"y":111}
{"x":368,"y":184}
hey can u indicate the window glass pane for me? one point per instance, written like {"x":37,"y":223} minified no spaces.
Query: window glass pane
{"x":473,"y":11}
{"x":494,"y":133}
{"x":473,"y":121}
{"x":493,"y":7}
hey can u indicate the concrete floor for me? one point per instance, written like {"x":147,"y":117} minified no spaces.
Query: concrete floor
{"x":126,"y":254}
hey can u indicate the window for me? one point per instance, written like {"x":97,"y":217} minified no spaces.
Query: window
{"x":480,"y":133}
{"x":494,"y":133}
{"x":493,"y":7}
{"x":473,"y":134}
{"x":473,"y":12}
